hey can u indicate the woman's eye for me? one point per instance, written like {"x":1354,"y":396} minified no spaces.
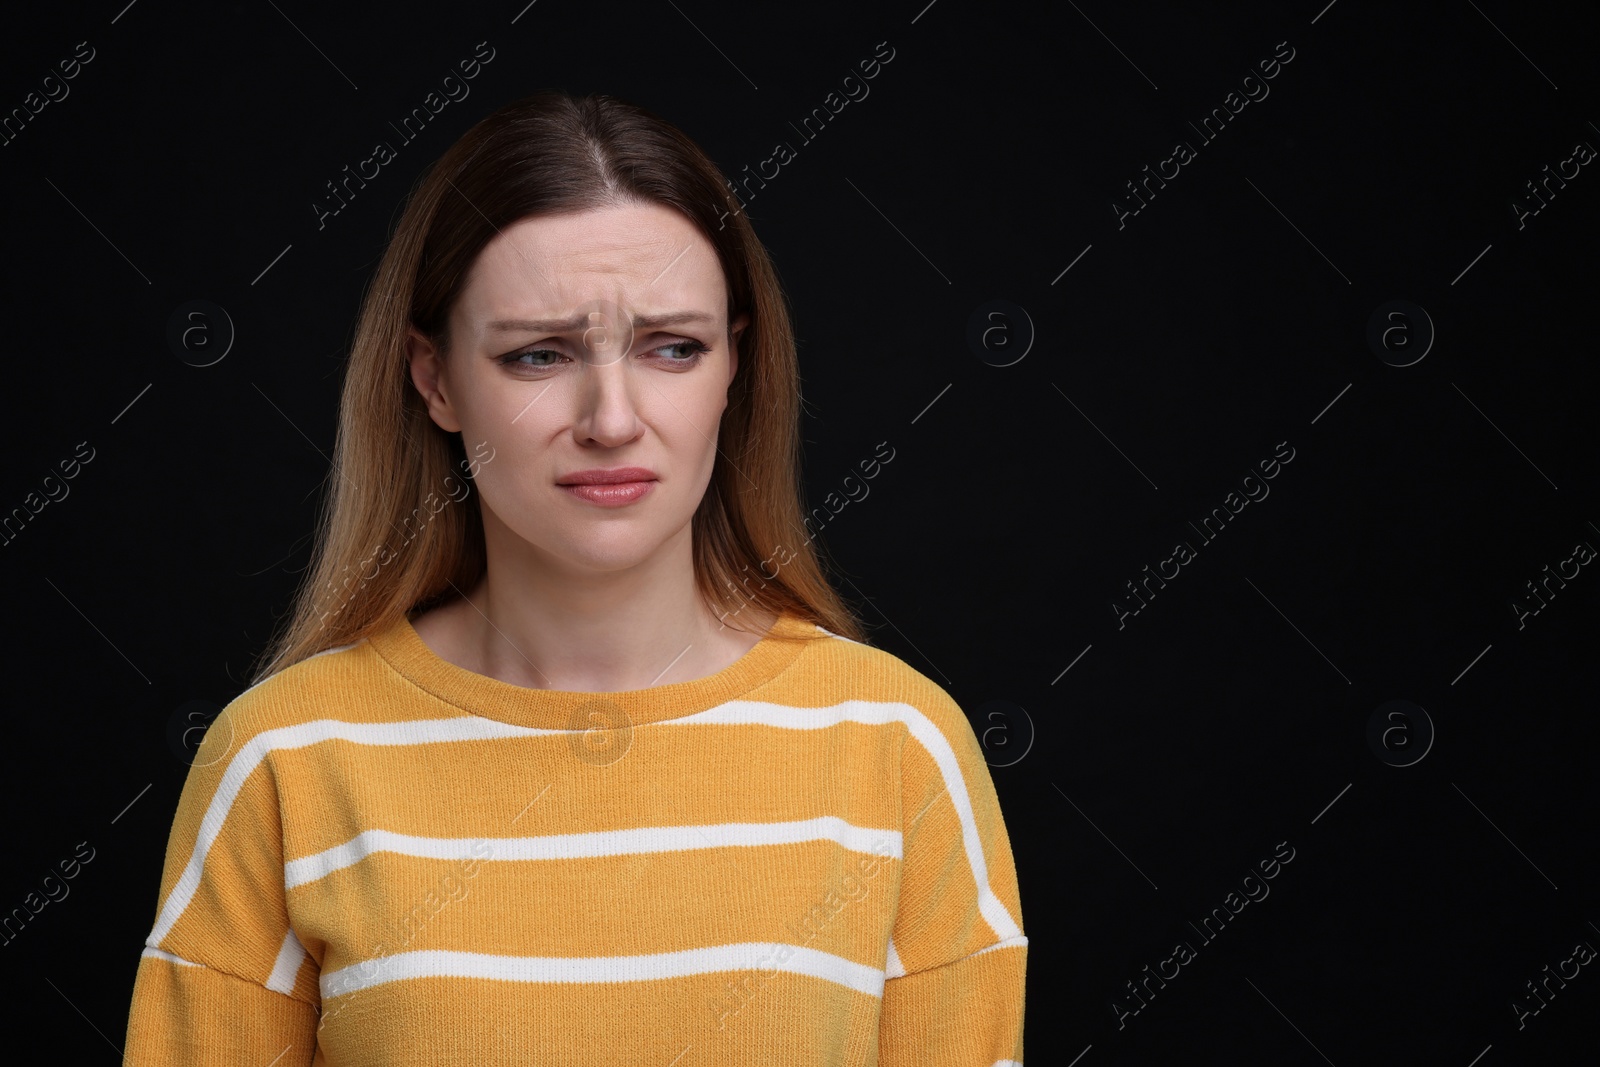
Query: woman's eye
{"x":678,"y":353}
{"x":688,"y":351}
{"x":529,"y":357}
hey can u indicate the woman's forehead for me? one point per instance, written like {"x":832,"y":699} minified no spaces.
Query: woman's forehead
{"x":646,"y":258}
{"x":622,"y":238}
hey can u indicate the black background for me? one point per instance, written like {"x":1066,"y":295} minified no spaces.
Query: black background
{"x":1179,"y":350}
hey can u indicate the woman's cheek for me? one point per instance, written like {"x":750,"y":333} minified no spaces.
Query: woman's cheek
{"x":506,"y":490}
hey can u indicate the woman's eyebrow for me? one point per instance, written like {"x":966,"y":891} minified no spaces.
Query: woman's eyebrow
{"x":581,"y":321}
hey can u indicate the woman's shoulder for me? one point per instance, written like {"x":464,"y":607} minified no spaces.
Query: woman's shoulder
{"x":840,"y":669}
{"x":339,"y":682}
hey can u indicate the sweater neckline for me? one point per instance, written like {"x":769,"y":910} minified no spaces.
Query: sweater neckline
{"x":403,"y":649}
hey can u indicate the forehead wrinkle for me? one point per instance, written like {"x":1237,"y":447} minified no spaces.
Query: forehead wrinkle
{"x":628,"y":257}
{"x":527,"y":265}
{"x":544,"y":279}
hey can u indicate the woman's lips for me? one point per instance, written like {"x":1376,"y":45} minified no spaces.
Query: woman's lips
{"x":615,"y":495}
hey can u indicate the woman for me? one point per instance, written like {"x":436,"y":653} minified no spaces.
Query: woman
{"x":591,"y":764}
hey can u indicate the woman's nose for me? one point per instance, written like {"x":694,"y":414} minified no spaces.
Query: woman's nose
{"x":608,"y":412}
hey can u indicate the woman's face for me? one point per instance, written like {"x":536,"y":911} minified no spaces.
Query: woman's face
{"x":582,"y":342}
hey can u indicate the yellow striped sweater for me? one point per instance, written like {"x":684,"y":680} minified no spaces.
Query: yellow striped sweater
{"x":380,"y":857}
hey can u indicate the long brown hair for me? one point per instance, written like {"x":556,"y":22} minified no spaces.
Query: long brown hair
{"x":387,"y":544}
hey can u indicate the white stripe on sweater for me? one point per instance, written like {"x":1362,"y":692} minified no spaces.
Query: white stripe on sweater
{"x":892,"y":967}
{"x":1014,"y":942}
{"x":291,"y":954}
{"x":763,"y":958}
{"x":588,"y":845}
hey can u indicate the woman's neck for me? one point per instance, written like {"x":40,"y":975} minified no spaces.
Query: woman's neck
{"x":546,"y":627}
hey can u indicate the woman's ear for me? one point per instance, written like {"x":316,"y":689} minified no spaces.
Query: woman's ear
{"x":428,"y":375}
{"x":735,"y":330}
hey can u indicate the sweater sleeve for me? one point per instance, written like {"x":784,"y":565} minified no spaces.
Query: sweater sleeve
{"x":953,"y":992}
{"x":222,"y":978}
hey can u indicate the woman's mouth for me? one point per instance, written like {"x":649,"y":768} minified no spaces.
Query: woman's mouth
{"x":613,"y":495}
{"x":609,"y":488}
